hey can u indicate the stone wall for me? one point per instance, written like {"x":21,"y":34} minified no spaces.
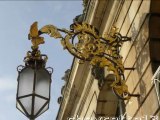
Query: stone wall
{"x":134,"y":21}
{"x":138,"y":19}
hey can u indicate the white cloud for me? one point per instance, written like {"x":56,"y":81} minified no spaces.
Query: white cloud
{"x":7,"y":83}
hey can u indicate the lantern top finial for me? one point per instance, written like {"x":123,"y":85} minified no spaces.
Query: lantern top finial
{"x":34,"y":58}
{"x":34,"y":36}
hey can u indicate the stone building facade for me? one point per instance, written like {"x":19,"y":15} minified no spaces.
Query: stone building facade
{"x":85,"y":96}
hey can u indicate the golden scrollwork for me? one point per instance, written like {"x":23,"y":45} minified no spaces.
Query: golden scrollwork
{"x":84,"y":42}
{"x":51,"y":30}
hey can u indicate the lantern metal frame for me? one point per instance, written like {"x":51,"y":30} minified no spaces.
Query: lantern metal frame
{"x":35,"y":61}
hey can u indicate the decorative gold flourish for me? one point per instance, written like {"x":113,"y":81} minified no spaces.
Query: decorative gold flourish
{"x":84,"y":27}
{"x":51,"y":30}
{"x":84,"y":42}
{"x":111,"y":36}
{"x":34,"y":36}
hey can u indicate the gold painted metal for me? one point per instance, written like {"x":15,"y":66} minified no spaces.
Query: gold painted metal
{"x":35,"y":54}
{"x":84,"y":42}
{"x":34,"y":36}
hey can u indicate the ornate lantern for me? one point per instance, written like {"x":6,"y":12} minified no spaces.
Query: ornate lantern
{"x":34,"y":82}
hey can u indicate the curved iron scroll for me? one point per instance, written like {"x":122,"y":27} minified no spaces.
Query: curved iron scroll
{"x":84,"y":42}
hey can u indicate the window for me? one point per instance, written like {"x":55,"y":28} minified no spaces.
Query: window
{"x":156,"y":81}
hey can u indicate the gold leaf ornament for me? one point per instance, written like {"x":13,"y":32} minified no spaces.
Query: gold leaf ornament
{"x":122,"y":90}
{"x":84,"y":27}
{"x":34,"y":30}
{"x":34,"y":36}
{"x":51,"y":30}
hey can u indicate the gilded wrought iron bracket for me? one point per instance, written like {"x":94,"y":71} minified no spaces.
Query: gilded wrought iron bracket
{"x":84,"y":42}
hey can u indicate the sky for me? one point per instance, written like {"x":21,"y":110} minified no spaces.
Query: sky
{"x":15,"y":20}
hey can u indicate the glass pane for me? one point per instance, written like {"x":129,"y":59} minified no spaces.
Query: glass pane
{"x":39,"y":102}
{"x":20,"y":108}
{"x":42,"y":83}
{"x":26,"y":79}
{"x":44,"y":109}
{"x":27,"y":103}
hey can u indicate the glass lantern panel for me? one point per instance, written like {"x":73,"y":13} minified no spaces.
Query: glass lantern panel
{"x":27,"y":103}
{"x":43,"y":81}
{"x":44,"y":109}
{"x":20,"y":108}
{"x":26,"y":80}
{"x":39,"y":102}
